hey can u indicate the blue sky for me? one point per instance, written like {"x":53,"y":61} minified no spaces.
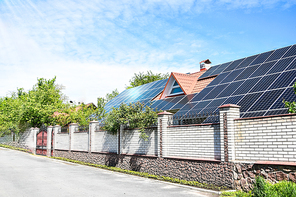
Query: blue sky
{"x":94,"y":46}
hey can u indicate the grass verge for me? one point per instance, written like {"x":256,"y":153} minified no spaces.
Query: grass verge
{"x":146,"y":175}
{"x":15,"y":148}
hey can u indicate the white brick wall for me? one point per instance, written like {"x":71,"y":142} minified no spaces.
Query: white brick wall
{"x":79,"y":141}
{"x":103,"y":141}
{"x":131,"y":143}
{"x":266,"y":139}
{"x":193,"y":142}
{"x":61,"y":141}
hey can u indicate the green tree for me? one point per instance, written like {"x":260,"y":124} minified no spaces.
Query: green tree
{"x":102,"y":101}
{"x":142,"y":78}
{"x":23,"y":109}
{"x":134,"y":115}
{"x":42,"y":101}
{"x":291,"y":105}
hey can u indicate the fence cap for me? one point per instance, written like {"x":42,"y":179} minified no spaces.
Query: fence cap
{"x":229,"y":105}
{"x":165,"y":113}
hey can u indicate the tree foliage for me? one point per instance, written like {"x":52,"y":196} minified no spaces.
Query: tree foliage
{"x":37,"y":106}
{"x":142,"y":78}
{"x":23,"y":109}
{"x":81,"y":114}
{"x":133,"y":115}
{"x":291,"y":105}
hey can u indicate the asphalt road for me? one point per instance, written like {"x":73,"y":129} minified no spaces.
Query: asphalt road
{"x":23,"y":174}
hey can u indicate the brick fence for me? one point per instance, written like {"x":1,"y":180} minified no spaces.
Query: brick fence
{"x":230,"y":153}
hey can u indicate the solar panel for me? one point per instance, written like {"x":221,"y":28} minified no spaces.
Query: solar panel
{"x":215,"y":91}
{"x":218,"y":79}
{"x":233,"y":65}
{"x":172,"y":102}
{"x":276,"y":112}
{"x":284,"y":80}
{"x":266,"y":100}
{"x":209,"y":72}
{"x":220,"y":68}
{"x":264,"y":82}
{"x":165,"y":102}
{"x":201,"y":94}
{"x":288,"y":95}
{"x":199,"y":106}
{"x":232,"y":76}
{"x":230,"y":89}
{"x":246,"y":86}
{"x":261,"y":58}
{"x":247,"y":61}
{"x":253,"y":114}
{"x":182,"y":102}
{"x":278,"y":54}
{"x":263,"y":69}
{"x":292,"y":65}
{"x":143,"y":94}
{"x":248,"y":100}
{"x":291,"y":51}
{"x":257,"y":83}
{"x":246,"y":73}
{"x":281,"y":65}
{"x":233,"y":99}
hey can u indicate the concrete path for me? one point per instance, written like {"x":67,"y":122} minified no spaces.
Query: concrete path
{"x":23,"y":174}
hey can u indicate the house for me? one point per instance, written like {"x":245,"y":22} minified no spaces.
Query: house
{"x":258,"y":84}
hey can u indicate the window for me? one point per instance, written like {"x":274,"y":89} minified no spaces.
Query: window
{"x":176,"y":89}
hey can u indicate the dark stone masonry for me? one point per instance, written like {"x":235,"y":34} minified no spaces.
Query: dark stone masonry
{"x":216,"y":173}
{"x":240,"y":176}
{"x":245,"y":173}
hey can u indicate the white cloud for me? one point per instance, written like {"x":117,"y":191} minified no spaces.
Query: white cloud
{"x":94,"y":47}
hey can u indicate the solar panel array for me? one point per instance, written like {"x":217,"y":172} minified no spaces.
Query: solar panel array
{"x":258,"y":84}
{"x":144,"y":94}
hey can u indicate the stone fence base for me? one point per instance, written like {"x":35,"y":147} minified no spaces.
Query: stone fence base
{"x":239,"y":176}
{"x":245,"y":173}
{"x":209,"y":172}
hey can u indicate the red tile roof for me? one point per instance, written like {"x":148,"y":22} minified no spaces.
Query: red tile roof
{"x":189,"y":83}
{"x":185,"y":81}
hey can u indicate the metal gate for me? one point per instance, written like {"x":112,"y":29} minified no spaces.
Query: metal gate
{"x":41,"y":141}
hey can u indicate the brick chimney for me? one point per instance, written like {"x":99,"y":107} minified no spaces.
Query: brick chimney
{"x":205,"y":64}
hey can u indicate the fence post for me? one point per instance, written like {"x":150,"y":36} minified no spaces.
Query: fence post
{"x":57,"y":129}
{"x":162,"y":128}
{"x":92,"y":129}
{"x":48,"y":143}
{"x":72,"y":128}
{"x":228,"y":113}
{"x":35,"y":132}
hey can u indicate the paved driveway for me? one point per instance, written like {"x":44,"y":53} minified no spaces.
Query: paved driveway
{"x":23,"y":174}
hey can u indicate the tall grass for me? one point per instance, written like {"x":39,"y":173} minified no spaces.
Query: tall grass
{"x":263,"y":188}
